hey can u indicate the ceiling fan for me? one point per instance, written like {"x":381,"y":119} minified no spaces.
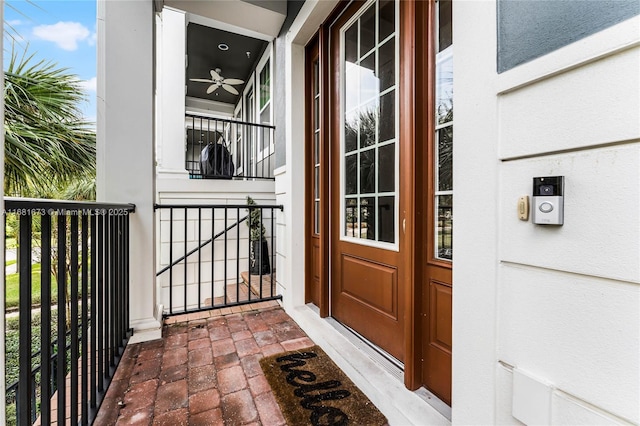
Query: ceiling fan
{"x":218,"y":81}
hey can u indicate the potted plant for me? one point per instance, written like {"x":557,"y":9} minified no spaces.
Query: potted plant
{"x":259,"y":247}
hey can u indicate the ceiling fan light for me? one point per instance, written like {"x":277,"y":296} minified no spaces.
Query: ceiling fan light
{"x":223,"y":46}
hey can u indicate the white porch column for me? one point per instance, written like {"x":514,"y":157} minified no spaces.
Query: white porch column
{"x":290,"y":185}
{"x":475,"y":272}
{"x":125,"y":133}
{"x":171,"y":36}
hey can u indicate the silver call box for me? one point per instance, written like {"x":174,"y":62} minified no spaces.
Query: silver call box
{"x":548,"y":200}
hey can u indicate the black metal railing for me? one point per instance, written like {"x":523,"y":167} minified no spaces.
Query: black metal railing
{"x":218,"y":148}
{"x":72,"y":332}
{"x":214,"y":256}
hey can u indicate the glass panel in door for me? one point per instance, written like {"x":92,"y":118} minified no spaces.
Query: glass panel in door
{"x":369,"y":133}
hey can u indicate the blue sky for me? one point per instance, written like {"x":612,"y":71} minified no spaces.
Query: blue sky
{"x":61,"y":31}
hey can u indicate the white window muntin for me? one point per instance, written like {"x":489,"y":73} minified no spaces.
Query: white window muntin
{"x":354,"y":19}
{"x":441,"y":58}
{"x":316,"y":147}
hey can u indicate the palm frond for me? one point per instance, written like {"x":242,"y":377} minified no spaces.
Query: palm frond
{"x":47,"y":141}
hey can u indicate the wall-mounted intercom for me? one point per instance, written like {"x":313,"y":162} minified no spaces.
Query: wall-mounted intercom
{"x":548,"y":200}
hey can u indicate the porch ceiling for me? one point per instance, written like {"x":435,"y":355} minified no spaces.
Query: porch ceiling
{"x":204,"y":55}
{"x":264,"y":16}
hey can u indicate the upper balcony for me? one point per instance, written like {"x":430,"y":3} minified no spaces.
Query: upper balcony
{"x":222,"y":126}
{"x":218,"y":148}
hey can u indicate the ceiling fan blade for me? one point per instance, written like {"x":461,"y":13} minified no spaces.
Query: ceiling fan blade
{"x":230,"y":89}
{"x":211,"y":88}
{"x":215,"y":75}
{"x":232,"y":81}
{"x":201,"y":80}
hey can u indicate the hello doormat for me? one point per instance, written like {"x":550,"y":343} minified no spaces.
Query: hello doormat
{"x":311,"y":389}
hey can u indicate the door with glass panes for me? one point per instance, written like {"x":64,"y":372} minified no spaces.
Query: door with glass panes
{"x":366,"y":279}
{"x":437,"y":177}
{"x":314,"y":260}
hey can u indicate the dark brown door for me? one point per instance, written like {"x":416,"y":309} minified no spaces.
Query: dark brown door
{"x":313,"y":169}
{"x":437,"y":178}
{"x":366,"y":280}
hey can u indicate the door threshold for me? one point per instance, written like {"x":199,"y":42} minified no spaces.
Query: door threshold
{"x":388,"y":362}
{"x":440,"y":406}
{"x":387,"y":391}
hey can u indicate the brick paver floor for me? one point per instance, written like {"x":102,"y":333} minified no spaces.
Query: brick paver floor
{"x":204,"y":371}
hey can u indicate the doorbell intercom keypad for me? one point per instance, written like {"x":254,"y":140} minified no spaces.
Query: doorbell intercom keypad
{"x":548,"y":200}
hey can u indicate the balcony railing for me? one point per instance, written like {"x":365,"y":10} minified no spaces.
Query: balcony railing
{"x":218,"y":148}
{"x":71,"y":333}
{"x":209,"y":258}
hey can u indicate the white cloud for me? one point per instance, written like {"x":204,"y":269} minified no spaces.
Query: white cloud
{"x":14,"y":22}
{"x":89,"y":85}
{"x":93,"y":38}
{"x":65,"y":34}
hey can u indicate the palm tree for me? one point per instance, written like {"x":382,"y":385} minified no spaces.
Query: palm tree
{"x":50,"y":151}
{"x":47,"y":142}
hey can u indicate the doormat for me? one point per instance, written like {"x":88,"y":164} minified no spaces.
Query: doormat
{"x":312,"y":390}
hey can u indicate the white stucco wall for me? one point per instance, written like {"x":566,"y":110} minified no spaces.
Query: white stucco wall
{"x":125,"y":131}
{"x":560,"y":304}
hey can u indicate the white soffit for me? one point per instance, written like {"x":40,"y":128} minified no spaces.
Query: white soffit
{"x":237,"y":13}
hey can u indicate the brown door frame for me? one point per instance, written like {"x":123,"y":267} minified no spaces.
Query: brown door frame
{"x":408,"y":126}
{"x":418,"y":101}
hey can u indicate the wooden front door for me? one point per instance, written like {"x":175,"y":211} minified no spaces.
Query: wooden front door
{"x":366,"y":277}
{"x":435,"y":73}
